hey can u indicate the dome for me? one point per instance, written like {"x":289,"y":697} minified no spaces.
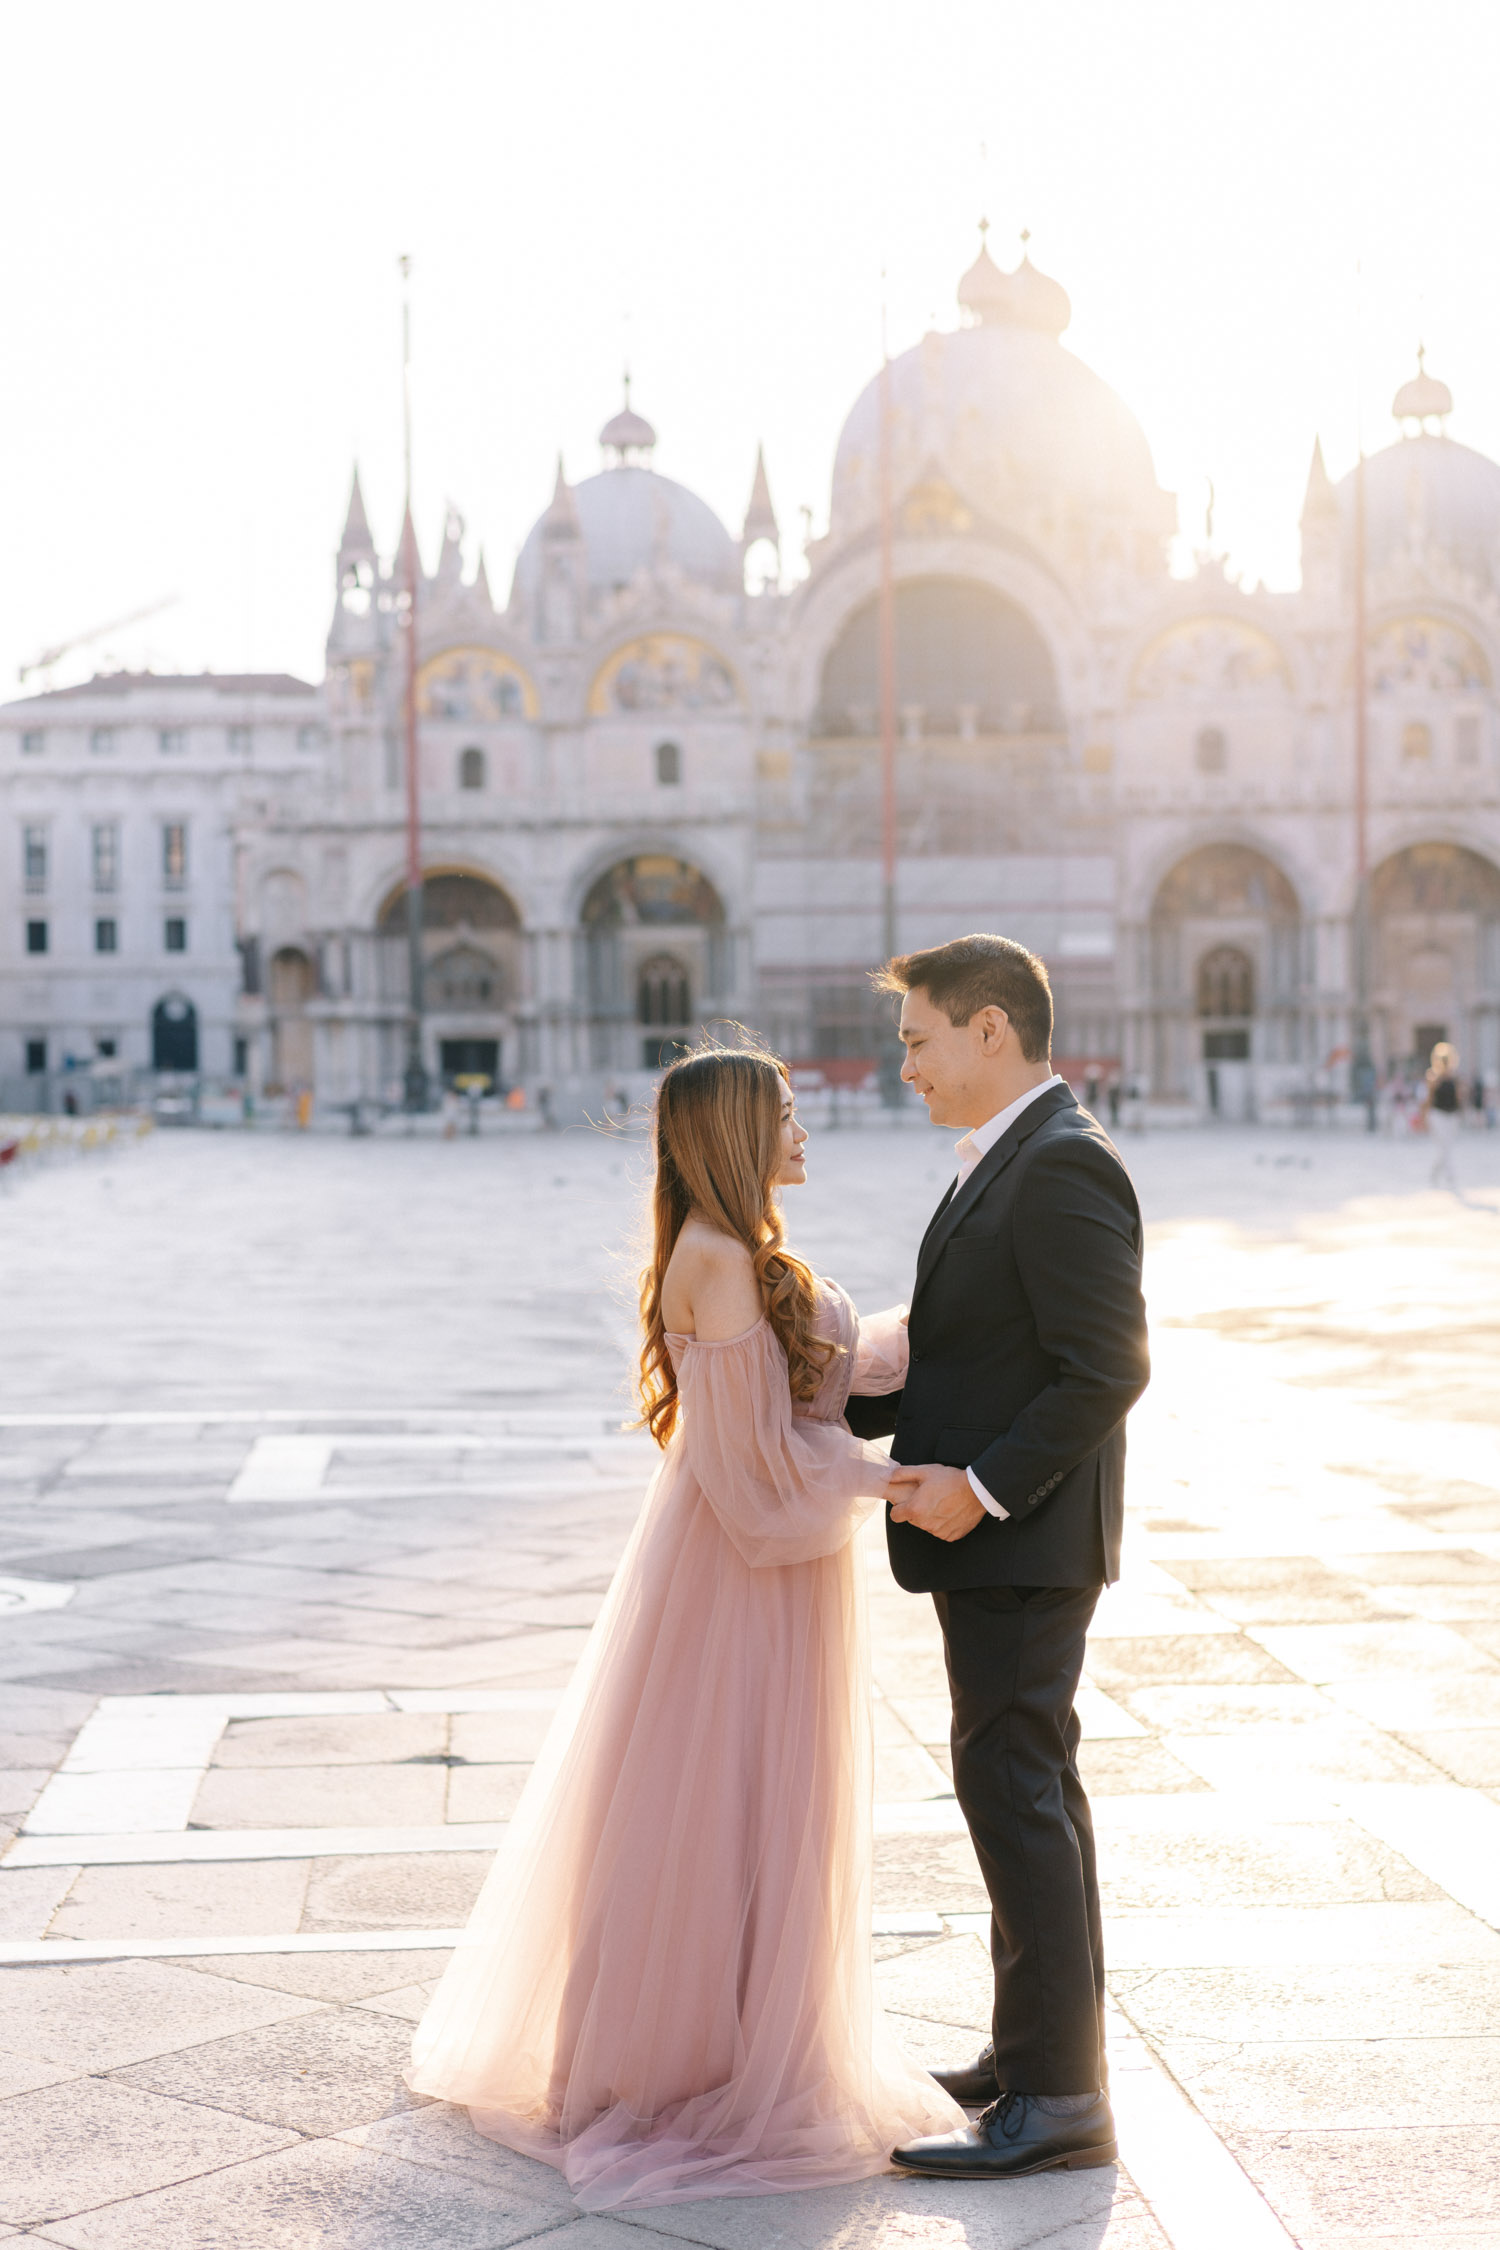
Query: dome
{"x":1037,"y":301}
{"x":1006,"y":412}
{"x":631,"y":516}
{"x":627,"y":432}
{"x":1430,"y":490}
{"x":1423,"y":396}
{"x":984,"y":290}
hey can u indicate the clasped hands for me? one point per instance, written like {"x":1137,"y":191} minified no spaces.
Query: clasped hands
{"x":935,"y":1499}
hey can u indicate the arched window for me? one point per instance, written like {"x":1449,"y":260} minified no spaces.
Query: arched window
{"x":1416,"y":742}
{"x":292,"y":980}
{"x":663,"y":996}
{"x":1211,"y":750}
{"x":669,"y":763}
{"x":1226,"y":983}
{"x":471,"y":769}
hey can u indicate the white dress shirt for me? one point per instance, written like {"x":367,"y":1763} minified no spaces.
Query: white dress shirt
{"x":975,"y":1145}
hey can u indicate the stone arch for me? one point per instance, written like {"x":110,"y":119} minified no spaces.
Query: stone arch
{"x":1435,"y":929}
{"x":655,"y":672}
{"x":1424,"y":656}
{"x":473,"y":957}
{"x":653,"y":957}
{"x":282,"y":893}
{"x":823,"y":605}
{"x":452,"y":898}
{"x":968,"y":658}
{"x":1225,"y":954}
{"x":1213,"y":656}
{"x":475,"y":684}
{"x":291,"y":981}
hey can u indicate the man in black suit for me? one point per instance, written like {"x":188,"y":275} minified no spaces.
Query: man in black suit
{"x":1028,"y":1348}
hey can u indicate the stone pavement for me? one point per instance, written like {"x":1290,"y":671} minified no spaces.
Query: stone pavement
{"x":310,"y":1480}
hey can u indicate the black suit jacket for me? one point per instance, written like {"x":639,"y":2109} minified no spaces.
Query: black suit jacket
{"x":1028,"y":1348}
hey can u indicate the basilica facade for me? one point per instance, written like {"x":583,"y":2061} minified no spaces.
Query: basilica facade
{"x":650,"y":777}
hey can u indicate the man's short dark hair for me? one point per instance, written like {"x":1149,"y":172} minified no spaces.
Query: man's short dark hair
{"x":970,"y":973}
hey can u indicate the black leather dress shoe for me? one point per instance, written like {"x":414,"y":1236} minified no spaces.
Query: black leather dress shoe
{"x":1012,"y":2138}
{"x":973,"y":2084}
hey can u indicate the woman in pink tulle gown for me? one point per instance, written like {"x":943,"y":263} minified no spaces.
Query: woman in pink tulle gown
{"x":666,"y":1988}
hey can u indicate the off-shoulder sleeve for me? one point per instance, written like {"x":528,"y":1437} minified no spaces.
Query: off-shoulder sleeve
{"x":880,"y":1354}
{"x":784,"y":1487}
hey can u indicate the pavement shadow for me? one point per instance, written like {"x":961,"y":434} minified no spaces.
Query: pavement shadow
{"x":1064,"y":2210}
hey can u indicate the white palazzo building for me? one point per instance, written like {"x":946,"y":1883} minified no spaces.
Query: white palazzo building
{"x":649,"y":779}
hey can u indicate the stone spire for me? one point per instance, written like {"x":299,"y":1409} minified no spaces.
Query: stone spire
{"x":1318,"y":500}
{"x":760,"y":516}
{"x":561,"y":520}
{"x":1321,"y":532}
{"x":561,"y":593}
{"x":450,"y":569}
{"x":356,"y":538}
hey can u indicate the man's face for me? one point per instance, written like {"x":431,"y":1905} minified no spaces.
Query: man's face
{"x":950,"y":1063}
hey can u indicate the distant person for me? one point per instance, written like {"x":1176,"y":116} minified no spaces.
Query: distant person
{"x":1112,"y":1096}
{"x":1444,"y":1100}
{"x":666,"y":1989}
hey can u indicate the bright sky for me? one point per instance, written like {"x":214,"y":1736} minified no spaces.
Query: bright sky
{"x":207,"y":203}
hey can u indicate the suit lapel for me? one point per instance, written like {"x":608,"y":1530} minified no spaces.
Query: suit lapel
{"x":988,"y":1169}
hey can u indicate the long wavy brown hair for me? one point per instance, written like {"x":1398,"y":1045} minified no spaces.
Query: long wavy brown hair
{"x":718,"y":1151}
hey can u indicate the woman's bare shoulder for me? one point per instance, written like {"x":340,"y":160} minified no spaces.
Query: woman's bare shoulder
{"x":707,"y":1249}
{"x":710,"y":1289}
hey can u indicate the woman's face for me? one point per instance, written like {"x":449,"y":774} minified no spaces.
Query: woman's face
{"x":793,"y":1144}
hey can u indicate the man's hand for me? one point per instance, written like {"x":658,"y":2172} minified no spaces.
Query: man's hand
{"x":935,"y":1499}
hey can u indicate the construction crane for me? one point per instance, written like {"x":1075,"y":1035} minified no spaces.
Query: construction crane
{"x":51,"y":656}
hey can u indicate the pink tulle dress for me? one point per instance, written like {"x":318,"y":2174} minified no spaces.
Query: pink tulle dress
{"x":666,"y":1988}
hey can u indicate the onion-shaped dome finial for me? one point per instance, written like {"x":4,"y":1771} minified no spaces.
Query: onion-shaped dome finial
{"x":1424,"y":398}
{"x":628,"y":435}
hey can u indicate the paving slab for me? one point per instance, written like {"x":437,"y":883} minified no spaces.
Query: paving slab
{"x":243,"y":1898}
{"x":101,"y":2017}
{"x":305,"y":2198}
{"x":70,"y":2148}
{"x":387,"y":1893}
{"x":341,"y":1796}
{"x":322,"y":1976}
{"x":1393,"y":2002}
{"x":1350,"y":2185}
{"x":315,"y":2073}
{"x":355,"y":1739}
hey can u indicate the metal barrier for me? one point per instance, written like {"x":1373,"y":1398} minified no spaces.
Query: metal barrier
{"x":32,"y":1140}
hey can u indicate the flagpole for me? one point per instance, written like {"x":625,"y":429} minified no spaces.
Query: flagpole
{"x":416,"y":1069}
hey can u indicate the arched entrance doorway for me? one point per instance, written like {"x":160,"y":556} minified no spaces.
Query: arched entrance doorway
{"x":472,"y":960}
{"x":1225,"y":981}
{"x":291,"y":982}
{"x":648,"y":992}
{"x":1435,"y":911}
{"x":174,"y":1033}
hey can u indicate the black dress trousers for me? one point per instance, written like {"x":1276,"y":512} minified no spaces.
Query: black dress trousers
{"x":1014,"y":1657}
